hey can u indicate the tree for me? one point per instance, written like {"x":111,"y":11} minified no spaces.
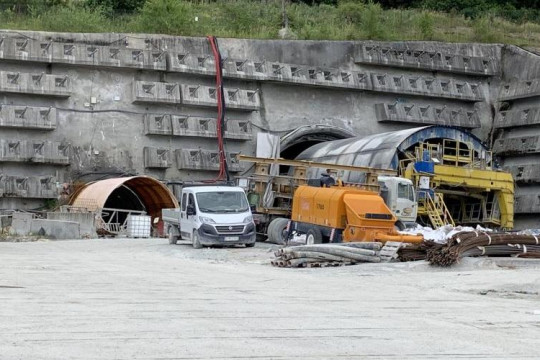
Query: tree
{"x":118,"y":6}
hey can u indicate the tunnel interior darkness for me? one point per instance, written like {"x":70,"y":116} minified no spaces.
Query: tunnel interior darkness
{"x":122,"y":198}
{"x":294,"y":147}
{"x":294,"y":150}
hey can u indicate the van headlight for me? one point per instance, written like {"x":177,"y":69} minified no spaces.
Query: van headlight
{"x":206,"y":220}
{"x":248,"y":219}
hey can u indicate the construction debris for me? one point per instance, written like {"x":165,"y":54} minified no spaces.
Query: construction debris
{"x":322,"y":255}
{"x":441,"y":234}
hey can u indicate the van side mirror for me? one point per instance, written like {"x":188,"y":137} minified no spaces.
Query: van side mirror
{"x":190,"y":210}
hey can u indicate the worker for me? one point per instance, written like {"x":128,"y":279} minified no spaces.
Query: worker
{"x":326,"y":179}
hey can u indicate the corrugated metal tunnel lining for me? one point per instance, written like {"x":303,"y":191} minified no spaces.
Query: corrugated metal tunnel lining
{"x":383,"y":150}
{"x":129,"y":193}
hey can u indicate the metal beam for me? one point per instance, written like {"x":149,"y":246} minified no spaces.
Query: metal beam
{"x":316,"y":164}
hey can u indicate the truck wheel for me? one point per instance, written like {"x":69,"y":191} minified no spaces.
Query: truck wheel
{"x":276,"y":231}
{"x":250,"y":245}
{"x":399,"y":225}
{"x":269,"y":229}
{"x":314,"y":236}
{"x":196,"y":243}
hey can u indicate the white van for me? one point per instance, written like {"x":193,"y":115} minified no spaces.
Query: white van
{"x":211,"y":215}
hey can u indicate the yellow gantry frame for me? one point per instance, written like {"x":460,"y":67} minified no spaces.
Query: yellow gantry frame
{"x":500,"y":182}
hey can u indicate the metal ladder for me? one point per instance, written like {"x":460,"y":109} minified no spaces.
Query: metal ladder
{"x":437,"y":211}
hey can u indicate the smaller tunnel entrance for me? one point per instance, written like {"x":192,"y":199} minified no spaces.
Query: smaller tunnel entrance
{"x":138,"y":193}
{"x":295,"y":142}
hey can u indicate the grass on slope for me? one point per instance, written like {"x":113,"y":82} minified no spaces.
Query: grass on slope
{"x":263,"y":20}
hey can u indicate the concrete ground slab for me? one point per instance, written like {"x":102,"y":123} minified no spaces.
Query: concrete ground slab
{"x":145,"y":299}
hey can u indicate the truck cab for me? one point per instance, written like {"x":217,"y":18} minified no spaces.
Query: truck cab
{"x":399,"y":195}
{"x":214,"y":215}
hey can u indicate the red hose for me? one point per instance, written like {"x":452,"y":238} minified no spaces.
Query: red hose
{"x":223,"y":169}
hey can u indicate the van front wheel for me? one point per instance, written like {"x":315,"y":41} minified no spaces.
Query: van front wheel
{"x":196,"y":243}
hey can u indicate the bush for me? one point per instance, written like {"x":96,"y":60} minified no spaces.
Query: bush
{"x":425,"y":25}
{"x":372,"y":22}
{"x":482,"y":30}
{"x":172,"y":17}
{"x":351,"y":12}
{"x":73,"y":19}
{"x":114,"y":7}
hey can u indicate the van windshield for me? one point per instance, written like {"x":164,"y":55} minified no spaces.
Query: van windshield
{"x":222,"y":202}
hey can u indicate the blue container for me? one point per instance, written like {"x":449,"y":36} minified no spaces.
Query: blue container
{"x":424,"y":167}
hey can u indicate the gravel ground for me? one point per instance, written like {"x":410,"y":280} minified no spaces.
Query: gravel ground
{"x":145,"y":299}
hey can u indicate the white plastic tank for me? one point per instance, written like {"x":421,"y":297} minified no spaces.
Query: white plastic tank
{"x":139,"y":226}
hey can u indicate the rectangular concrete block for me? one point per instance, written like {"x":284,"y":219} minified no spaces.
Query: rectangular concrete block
{"x":520,"y":145}
{"x":426,"y":86}
{"x":27,"y":117}
{"x":192,"y":63}
{"x":200,"y":95}
{"x":198,"y":159}
{"x":158,"y":124}
{"x":86,"y":221}
{"x":37,"y":84}
{"x":103,"y":56}
{"x":384,"y":55}
{"x":426,"y":114}
{"x":528,"y":174}
{"x":194,"y":126}
{"x":243,"y":69}
{"x":132,"y":58}
{"x":261,"y":70}
{"x":35,"y":187}
{"x":311,"y":76}
{"x":527,"y":204}
{"x":21,"y":223}
{"x":156,"y":92}
{"x":519,"y":89}
{"x":157,"y":158}
{"x":523,"y":117}
{"x":26,"y":49}
{"x":514,"y":118}
{"x":34,"y":151}
{"x":55,"y":229}
{"x":238,"y":129}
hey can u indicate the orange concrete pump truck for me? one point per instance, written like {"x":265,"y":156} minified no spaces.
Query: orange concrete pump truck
{"x":343,"y":213}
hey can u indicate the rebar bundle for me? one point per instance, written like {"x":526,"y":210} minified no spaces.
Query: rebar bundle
{"x":415,"y":252}
{"x":327,"y":254}
{"x":474,"y":243}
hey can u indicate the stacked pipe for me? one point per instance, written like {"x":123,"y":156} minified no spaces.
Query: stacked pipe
{"x":476,"y":243}
{"x":327,"y":254}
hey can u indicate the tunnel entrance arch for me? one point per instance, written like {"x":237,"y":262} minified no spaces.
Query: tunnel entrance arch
{"x":298,"y":140}
{"x":137,"y":193}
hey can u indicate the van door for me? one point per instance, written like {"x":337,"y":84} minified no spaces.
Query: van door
{"x":187,"y":221}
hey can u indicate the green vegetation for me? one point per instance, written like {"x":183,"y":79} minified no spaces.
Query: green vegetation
{"x":440,"y":20}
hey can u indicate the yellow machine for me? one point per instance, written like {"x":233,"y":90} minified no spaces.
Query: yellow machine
{"x":460,"y":186}
{"x":344,"y":214}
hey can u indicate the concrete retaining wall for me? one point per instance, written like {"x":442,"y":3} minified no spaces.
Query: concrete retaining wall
{"x":113,"y":104}
{"x":25,"y":224}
